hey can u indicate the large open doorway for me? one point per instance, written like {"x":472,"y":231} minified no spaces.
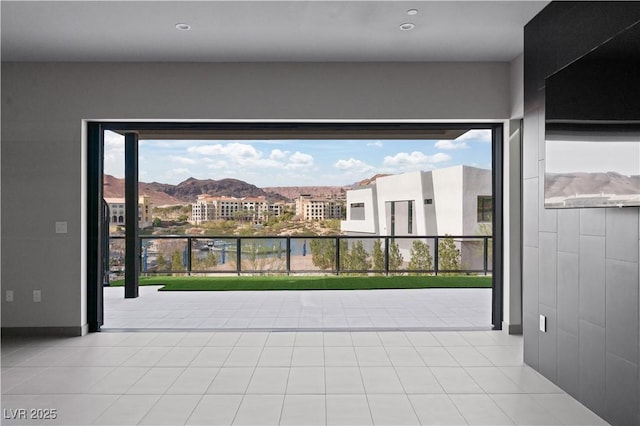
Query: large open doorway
{"x":403,"y":225}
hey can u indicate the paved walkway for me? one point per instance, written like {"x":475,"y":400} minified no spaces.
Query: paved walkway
{"x":432,"y":309}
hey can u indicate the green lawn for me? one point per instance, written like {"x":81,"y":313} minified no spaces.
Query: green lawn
{"x":312,"y":283}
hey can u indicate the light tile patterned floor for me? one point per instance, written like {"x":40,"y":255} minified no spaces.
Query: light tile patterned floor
{"x":433,"y":309}
{"x":282,"y":378}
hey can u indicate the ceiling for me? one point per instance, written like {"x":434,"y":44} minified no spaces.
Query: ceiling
{"x":248,"y":31}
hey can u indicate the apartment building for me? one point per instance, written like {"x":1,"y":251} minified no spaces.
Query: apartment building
{"x":257,"y":209}
{"x":117,"y":211}
{"x":312,"y":208}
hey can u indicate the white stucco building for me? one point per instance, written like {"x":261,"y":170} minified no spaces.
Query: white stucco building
{"x":455,"y":201}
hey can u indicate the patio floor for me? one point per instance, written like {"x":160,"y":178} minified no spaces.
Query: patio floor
{"x":419,"y":309}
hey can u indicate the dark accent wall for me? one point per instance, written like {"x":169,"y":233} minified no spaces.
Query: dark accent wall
{"x":580,"y":267}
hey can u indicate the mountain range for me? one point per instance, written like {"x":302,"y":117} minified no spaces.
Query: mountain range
{"x":567,"y":184}
{"x":187,"y":191}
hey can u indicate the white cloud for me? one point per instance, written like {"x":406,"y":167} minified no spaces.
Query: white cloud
{"x":448,"y":145}
{"x":179,"y":171}
{"x":415,"y":160}
{"x":233,"y":150}
{"x":182,"y":160}
{"x":376,"y":144}
{"x":277,"y":154}
{"x":217,"y":164}
{"x":476,"y":135}
{"x":234,"y":153}
{"x":113,"y":154}
{"x":352,"y":165}
{"x":299,"y":160}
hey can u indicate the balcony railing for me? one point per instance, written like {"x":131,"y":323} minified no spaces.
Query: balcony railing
{"x":168,"y":254}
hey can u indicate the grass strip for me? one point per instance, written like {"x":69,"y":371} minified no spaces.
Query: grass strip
{"x":257,"y":283}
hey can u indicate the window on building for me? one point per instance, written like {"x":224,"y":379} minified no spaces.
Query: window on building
{"x":410,"y":217}
{"x":485,"y":208}
{"x":428,"y":200}
{"x":356,"y":211}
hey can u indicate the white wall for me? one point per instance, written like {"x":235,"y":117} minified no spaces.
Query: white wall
{"x":370,"y":223}
{"x":447,"y":191}
{"x":402,"y":187}
{"x":475,"y":182}
{"x":512,"y":213}
{"x":43,"y":156}
{"x":517,"y":87}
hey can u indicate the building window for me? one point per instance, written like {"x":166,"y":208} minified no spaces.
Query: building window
{"x":485,"y":208}
{"x":410,"y":217}
{"x":393,"y":218}
{"x":428,"y":200}
{"x":356,"y":211}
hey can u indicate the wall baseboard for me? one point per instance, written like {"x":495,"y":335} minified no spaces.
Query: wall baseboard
{"x":45,"y":331}
{"x":512,"y":328}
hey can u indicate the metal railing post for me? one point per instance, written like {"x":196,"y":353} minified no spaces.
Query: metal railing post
{"x":238,"y":255}
{"x":337,"y":240}
{"x":386,"y":256}
{"x":189,"y":255}
{"x":435,"y":255}
{"x":486,"y":254}
{"x":288,"y":258}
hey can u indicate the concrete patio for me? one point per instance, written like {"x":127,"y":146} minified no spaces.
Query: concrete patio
{"x":414,"y":309}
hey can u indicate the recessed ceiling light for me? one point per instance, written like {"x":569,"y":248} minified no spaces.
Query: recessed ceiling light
{"x":412,"y":12}
{"x":183,"y":27}
{"x":407,"y":26}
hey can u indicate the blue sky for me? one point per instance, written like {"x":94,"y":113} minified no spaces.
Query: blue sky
{"x":295,"y":162}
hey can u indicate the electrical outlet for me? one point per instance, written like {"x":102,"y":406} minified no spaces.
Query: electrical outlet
{"x":61,"y":227}
{"x":543,"y":323}
{"x":9,"y":296}
{"x":37,"y":296}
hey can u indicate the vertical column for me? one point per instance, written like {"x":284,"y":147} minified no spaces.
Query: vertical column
{"x":497,"y":272}
{"x":132,"y":248}
{"x":95,"y":228}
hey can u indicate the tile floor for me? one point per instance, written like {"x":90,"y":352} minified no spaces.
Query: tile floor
{"x":281,"y":378}
{"x":433,"y":309}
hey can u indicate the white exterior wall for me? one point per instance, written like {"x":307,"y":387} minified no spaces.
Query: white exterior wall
{"x":429,"y":210}
{"x":370,"y":223}
{"x":406,"y":186}
{"x":476,"y":182}
{"x":454,"y":192}
{"x":447,"y":190}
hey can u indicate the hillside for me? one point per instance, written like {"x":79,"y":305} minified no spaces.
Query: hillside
{"x":187,"y":191}
{"x":567,"y":184}
{"x":370,"y":180}
{"x":293,"y":192}
{"x":114,"y":188}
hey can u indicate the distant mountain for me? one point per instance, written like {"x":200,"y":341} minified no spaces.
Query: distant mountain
{"x":187,"y":192}
{"x":293,"y":192}
{"x":113,"y":187}
{"x":567,"y":184}
{"x":369,"y":181}
{"x":189,"y":189}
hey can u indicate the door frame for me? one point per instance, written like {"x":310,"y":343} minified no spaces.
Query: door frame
{"x":281,"y":130}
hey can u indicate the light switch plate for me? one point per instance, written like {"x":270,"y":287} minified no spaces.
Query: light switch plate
{"x":543,"y":323}
{"x":9,"y":296}
{"x":37,"y":296}
{"x":61,"y":227}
